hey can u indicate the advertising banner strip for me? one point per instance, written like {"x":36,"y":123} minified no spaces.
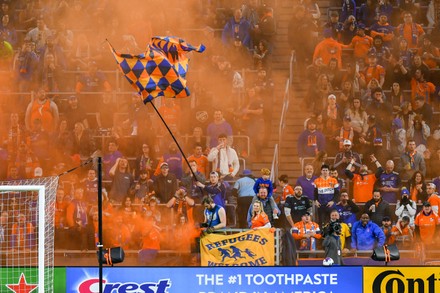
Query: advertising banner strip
{"x":250,"y":248}
{"x":217,"y":280}
{"x":402,"y":279}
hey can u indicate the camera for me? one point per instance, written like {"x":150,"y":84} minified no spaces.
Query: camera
{"x":332,"y":227}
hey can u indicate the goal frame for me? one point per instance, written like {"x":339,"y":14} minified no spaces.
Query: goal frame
{"x":41,"y":224}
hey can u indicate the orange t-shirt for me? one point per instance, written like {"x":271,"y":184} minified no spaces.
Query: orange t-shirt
{"x":374,"y":72}
{"x":434,"y":200}
{"x":259,"y":220}
{"x":328,"y":49}
{"x":286,"y":191}
{"x":423,"y":89}
{"x":202,"y":163}
{"x":427,"y":225}
{"x":361,"y":45}
{"x":363,"y":187}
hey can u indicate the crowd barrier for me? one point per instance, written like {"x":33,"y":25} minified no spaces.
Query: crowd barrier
{"x":354,"y":279}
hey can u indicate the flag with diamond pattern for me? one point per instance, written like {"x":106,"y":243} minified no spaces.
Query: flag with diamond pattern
{"x":161,"y":70}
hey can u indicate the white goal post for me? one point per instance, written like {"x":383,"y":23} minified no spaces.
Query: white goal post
{"x":27,"y":254}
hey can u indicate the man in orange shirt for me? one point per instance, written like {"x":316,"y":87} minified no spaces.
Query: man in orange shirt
{"x":329,"y":48}
{"x":201,"y":160}
{"x":361,"y":43}
{"x":426,"y":223}
{"x":409,"y":30}
{"x":421,"y":87}
{"x":432,"y":197}
{"x":363,"y":183}
{"x":374,"y":70}
{"x":306,"y":232}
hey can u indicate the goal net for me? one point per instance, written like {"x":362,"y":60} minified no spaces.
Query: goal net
{"x":27,"y":234}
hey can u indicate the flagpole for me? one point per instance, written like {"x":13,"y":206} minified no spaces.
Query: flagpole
{"x":175,"y":140}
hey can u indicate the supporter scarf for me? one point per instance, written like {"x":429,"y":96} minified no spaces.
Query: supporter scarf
{"x":412,"y":155}
{"x":413,"y":32}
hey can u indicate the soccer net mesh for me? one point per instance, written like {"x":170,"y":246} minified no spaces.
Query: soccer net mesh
{"x":27,"y":234}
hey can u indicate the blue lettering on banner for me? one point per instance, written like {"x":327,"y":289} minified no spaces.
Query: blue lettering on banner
{"x":216,"y":280}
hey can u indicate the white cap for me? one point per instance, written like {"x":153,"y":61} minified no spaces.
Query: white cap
{"x":38,"y":172}
{"x":347,"y":142}
{"x":332,"y":96}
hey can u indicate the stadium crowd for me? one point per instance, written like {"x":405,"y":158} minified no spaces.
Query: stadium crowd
{"x":61,"y":104}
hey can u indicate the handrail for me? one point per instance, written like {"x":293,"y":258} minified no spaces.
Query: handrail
{"x":292,"y":65}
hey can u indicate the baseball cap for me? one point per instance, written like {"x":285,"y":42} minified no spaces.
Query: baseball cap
{"x":404,"y":191}
{"x":347,"y":118}
{"x":164,"y":165}
{"x":307,"y":213}
{"x":331,"y":96}
{"x":426,"y":204}
{"x":347,"y":142}
{"x":386,"y":218}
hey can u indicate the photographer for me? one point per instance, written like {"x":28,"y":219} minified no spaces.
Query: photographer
{"x":182,"y":204}
{"x":215,"y":216}
{"x":406,"y":207}
{"x":332,"y":243}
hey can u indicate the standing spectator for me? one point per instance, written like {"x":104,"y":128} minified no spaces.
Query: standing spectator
{"x":90,"y":185}
{"x":83,"y":143}
{"x":92,"y":80}
{"x":347,"y":156}
{"x":200,"y":159}
{"x":361,"y":43}
{"x":306,"y":232}
{"x":386,"y":228}
{"x":329,"y":48}
{"x":25,"y":65}
{"x":411,"y":161}
{"x":366,"y":235}
{"x":422,"y":108}
{"x":174,"y":160}
{"x":216,"y":189}
{"x":419,"y":131}
{"x":182,"y":204}
{"x":377,"y":208}
{"x":426,"y":223}
{"x":39,"y":34}
{"x":244,"y":191}
{"x":259,"y":219}
{"x":429,"y":52}
{"x":306,"y":182}
{"x":142,"y":188}
{"x":144,"y":162}
{"x":406,"y":207}
{"x":388,"y":182}
{"x":333,"y":27}
{"x":165,"y":184}
{"x":122,"y":179}
{"x":237,"y":32}
{"x":432,"y":197}
{"x":217,"y":127}
{"x":403,"y":231}
{"x":215,"y":215}
{"x":417,"y":187}
{"x":347,"y":209}
{"x":43,"y":109}
{"x":287,"y":191}
{"x":382,"y":109}
{"x":420,"y":87}
{"x":190,"y":182}
{"x":111,"y":157}
{"x":363,"y":183}
{"x":326,"y":193}
{"x":409,"y":30}
{"x":383,"y":29}
{"x":367,"y":13}
{"x":358,"y":117}
{"x":8,"y":30}
{"x":75,"y":112}
{"x":310,"y":140}
{"x":22,"y":234}
{"x":77,"y":219}
{"x":269,"y":206}
{"x":224,"y":158}
{"x":296,"y":206}
{"x":348,"y":8}
{"x":299,"y":35}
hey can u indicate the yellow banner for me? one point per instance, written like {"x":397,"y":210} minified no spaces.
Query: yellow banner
{"x":251,"y":248}
{"x":401,"y":279}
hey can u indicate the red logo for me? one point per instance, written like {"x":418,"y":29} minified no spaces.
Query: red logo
{"x":22,"y":286}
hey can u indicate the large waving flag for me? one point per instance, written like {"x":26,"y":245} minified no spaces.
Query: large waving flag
{"x":161,"y":70}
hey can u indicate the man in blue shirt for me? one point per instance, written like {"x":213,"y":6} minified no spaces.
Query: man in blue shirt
{"x":389,"y":183}
{"x":366,"y":235}
{"x":244,"y":191}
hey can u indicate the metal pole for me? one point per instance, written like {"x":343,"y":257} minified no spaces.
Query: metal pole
{"x":99,"y":244}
